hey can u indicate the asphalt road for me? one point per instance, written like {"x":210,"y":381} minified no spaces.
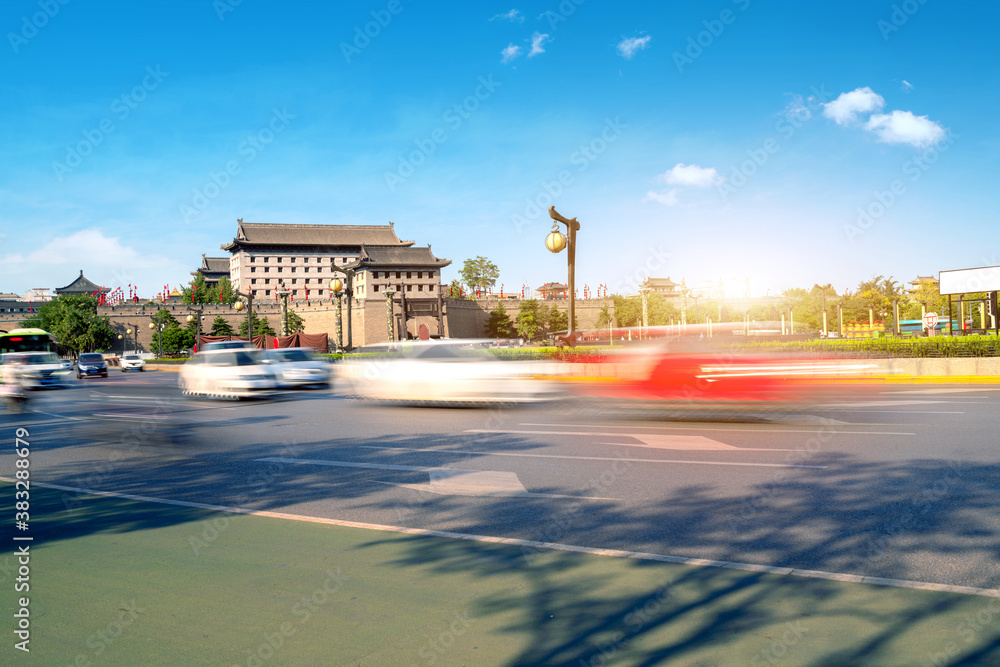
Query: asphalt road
{"x":904,"y":485}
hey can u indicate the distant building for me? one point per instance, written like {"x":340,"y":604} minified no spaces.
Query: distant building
{"x":415,"y":272}
{"x":266,"y":258}
{"x":553,"y":291}
{"x":38,"y":294}
{"x":214,"y":269}
{"x":662,"y":286}
{"x":82,"y":286}
{"x":920,"y":281}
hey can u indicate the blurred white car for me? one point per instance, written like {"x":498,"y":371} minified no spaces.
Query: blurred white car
{"x":446,"y":374}
{"x":226,"y":374}
{"x":37,"y":369}
{"x":298,"y":367}
{"x":132,"y":362}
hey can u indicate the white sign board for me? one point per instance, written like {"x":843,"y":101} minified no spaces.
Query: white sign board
{"x":965,"y":281}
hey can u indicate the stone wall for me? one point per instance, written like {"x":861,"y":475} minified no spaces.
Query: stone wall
{"x":463,"y":318}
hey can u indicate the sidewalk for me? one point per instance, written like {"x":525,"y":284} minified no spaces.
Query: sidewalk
{"x":124,"y":582}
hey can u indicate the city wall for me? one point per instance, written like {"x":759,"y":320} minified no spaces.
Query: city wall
{"x":463,"y":318}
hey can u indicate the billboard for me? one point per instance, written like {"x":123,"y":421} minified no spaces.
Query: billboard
{"x":964,"y":281}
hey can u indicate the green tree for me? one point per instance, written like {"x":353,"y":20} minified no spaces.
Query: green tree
{"x":73,"y":319}
{"x":479,"y":272}
{"x":295,"y":323}
{"x":454,"y":290}
{"x":500,"y":325}
{"x":225,"y":292}
{"x":260,"y":326}
{"x":222,"y":327}
{"x":530,"y":319}
{"x":556,"y":320}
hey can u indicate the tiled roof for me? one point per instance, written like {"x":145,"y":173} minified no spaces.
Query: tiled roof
{"x":214,"y":264}
{"x":252,"y":233}
{"x":552,"y":286}
{"x":81,"y":285}
{"x":401,"y":256}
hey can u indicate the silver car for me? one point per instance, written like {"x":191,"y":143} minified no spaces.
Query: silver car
{"x":298,"y":367}
{"x":226,"y":374}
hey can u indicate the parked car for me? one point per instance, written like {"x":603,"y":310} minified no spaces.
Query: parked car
{"x":226,"y":374}
{"x":90,"y":364}
{"x":298,"y":367}
{"x":132,"y":362}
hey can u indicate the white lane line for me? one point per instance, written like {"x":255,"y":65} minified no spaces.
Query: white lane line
{"x":908,"y":412}
{"x":942,"y":390}
{"x":832,"y":426}
{"x":550,"y":546}
{"x":830,"y":431}
{"x":591,"y":458}
{"x":875,"y":404}
{"x":446,"y":481}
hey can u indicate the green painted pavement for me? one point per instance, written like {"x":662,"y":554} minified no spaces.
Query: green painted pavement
{"x":119,"y":582}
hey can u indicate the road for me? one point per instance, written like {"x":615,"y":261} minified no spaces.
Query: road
{"x":904,"y":486}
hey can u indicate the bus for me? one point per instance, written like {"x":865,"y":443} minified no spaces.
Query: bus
{"x":28,"y":340}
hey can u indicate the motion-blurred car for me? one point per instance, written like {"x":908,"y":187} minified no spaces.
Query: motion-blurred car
{"x":132,"y":362}
{"x":229,"y":345}
{"x":298,"y":367}
{"x":36,"y":369}
{"x":91,"y":364}
{"x":447,"y":374}
{"x":226,"y":374}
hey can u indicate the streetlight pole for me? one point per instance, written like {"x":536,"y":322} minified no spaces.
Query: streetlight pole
{"x":239,"y":306}
{"x":348,"y":271}
{"x":191,"y":318}
{"x":159,"y":337}
{"x":283,"y":293}
{"x":128,"y":333}
{"x":390,"y":320}
{"x":336,"y":287}
{"x":555,"y":242}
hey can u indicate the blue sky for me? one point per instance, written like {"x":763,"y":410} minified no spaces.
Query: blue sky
{"x":791,"y":143}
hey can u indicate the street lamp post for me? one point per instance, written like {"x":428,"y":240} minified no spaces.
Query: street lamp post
{"x":128,"y":332}
{"x":191,"y":318}
{"x":239,"y":306}
{"x":336,"y":287}
{"x":283,"y":293}
{"x":389,"y":316}
{"x":555,"y":242}
{"x":123,"y":344}
{"x":159,"y":338}
{"x":348,"y":291}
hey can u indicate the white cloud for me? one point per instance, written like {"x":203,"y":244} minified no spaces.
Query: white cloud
{"x":537,"y":41}
{"x":630,"y":45}
{"x":513,"y":16}
{"x":668,"y":198}
{"x":61,"y":259}
{"x":903,"y":127}
{"x":690,"y":175}
{"x":845,"y":109}
{"x":906,"y":86}
{"x":512,"y":51}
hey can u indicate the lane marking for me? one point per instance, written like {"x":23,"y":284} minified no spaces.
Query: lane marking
{"x":527,"y":432}
{"x":875,"y":404}
{"x":549,"y":546}
{"x":446,"y":481}
{"x":591,"y":458}
{"x":833,"y":423}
